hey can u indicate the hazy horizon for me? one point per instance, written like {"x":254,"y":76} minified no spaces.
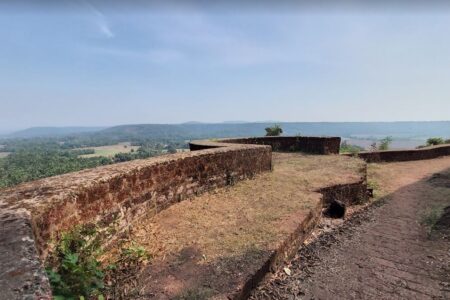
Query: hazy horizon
{"x":94,"y":64}
{"x":11,"y":130}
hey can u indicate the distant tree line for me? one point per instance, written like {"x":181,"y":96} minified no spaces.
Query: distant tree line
{"x":26,"y":165}
{"x":37,"y":158}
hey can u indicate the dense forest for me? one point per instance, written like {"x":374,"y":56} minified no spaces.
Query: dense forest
{"x":31,"y":159}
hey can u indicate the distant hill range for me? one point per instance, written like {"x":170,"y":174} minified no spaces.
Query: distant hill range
{"x":195,"y":130}
{"x":363,"y":130}
{"x":51,"y":131}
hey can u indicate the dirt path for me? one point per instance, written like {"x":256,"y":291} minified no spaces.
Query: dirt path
{"x":383,"y":252}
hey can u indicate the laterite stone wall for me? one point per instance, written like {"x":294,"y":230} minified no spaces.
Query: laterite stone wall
{"x":34,"y":213}
{"x":316,"y":145}
{"x":405,"y":155}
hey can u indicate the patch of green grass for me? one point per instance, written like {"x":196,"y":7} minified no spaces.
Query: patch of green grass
{"x":348,"y":148}
{"x":431,"y":216}
{"x":111,"y":150}
{"x":197,"y":294}
{"x":373,"y":184}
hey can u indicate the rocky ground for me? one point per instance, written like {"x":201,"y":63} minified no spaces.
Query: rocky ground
{"x":389,"y":250}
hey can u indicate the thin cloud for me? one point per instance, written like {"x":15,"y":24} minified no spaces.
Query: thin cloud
{"x":101,"y":21}
{"x":158,"y":56}
{"x":104,"y":29}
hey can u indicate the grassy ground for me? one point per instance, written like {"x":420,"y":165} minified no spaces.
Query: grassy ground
{"x":225,"y":234}
{"x":111,"y":150}
{"x":245,"y":214}
{"x":4,"y":154}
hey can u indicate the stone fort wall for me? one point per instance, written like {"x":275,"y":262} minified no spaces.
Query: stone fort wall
{"x":316,"y":145}
{"x":404,"y":155}
{"x":34,"y":213}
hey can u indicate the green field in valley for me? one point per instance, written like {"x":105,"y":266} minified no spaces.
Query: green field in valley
{"x":110,"y":150}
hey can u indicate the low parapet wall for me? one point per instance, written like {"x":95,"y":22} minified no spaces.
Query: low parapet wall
{"x":316,"y":145}
{"x":34,"y":213}
{"x":404,"y":155}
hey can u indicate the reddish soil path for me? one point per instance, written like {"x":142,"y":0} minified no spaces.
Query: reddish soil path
{"x":381,"y":253}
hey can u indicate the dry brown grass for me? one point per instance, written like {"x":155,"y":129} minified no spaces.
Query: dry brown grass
{"x":253,"y":214}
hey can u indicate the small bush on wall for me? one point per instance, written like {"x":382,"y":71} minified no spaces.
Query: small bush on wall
{"x":275,"y":130}
{"x":435,"y":141}
{"x":385,"y":143}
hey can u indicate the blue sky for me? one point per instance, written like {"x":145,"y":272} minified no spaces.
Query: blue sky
{"x":95,"y":65}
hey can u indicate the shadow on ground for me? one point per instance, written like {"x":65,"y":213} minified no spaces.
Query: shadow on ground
{"x":385,"y":251}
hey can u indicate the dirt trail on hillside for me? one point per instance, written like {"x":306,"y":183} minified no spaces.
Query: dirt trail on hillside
{"x":383,"y":252}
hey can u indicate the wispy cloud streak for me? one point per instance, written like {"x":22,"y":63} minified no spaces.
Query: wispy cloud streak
{"x":101,"y":21}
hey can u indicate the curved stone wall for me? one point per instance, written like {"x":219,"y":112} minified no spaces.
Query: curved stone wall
{"x":405,"y":155}
{"x":316,"y":145}
{"x":34,"y":213}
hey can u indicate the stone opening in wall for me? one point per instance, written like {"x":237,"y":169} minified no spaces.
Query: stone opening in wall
{"x":336,"y":209}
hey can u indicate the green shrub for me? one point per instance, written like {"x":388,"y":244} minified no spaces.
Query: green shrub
{"x":75,"y":272}
{"x":349,"y":148}
{"x":431,"y":217}
{"x":385,"y":143}
{"x":73,"y":269}
{"x":435,"y":141}
{"x":275,"y":130}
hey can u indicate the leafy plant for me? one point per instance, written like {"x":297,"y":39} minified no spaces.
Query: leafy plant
{"x":385,"y":143}
{"x":349,"y":148}
{"x":275,"y":130}
{"x":73,"y":269}
{"x":431,"y":217}
{"x":435,"y":141}
{"x":135,"y":253}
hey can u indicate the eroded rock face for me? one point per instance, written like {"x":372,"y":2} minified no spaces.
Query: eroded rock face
{"x":21,"y":273}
